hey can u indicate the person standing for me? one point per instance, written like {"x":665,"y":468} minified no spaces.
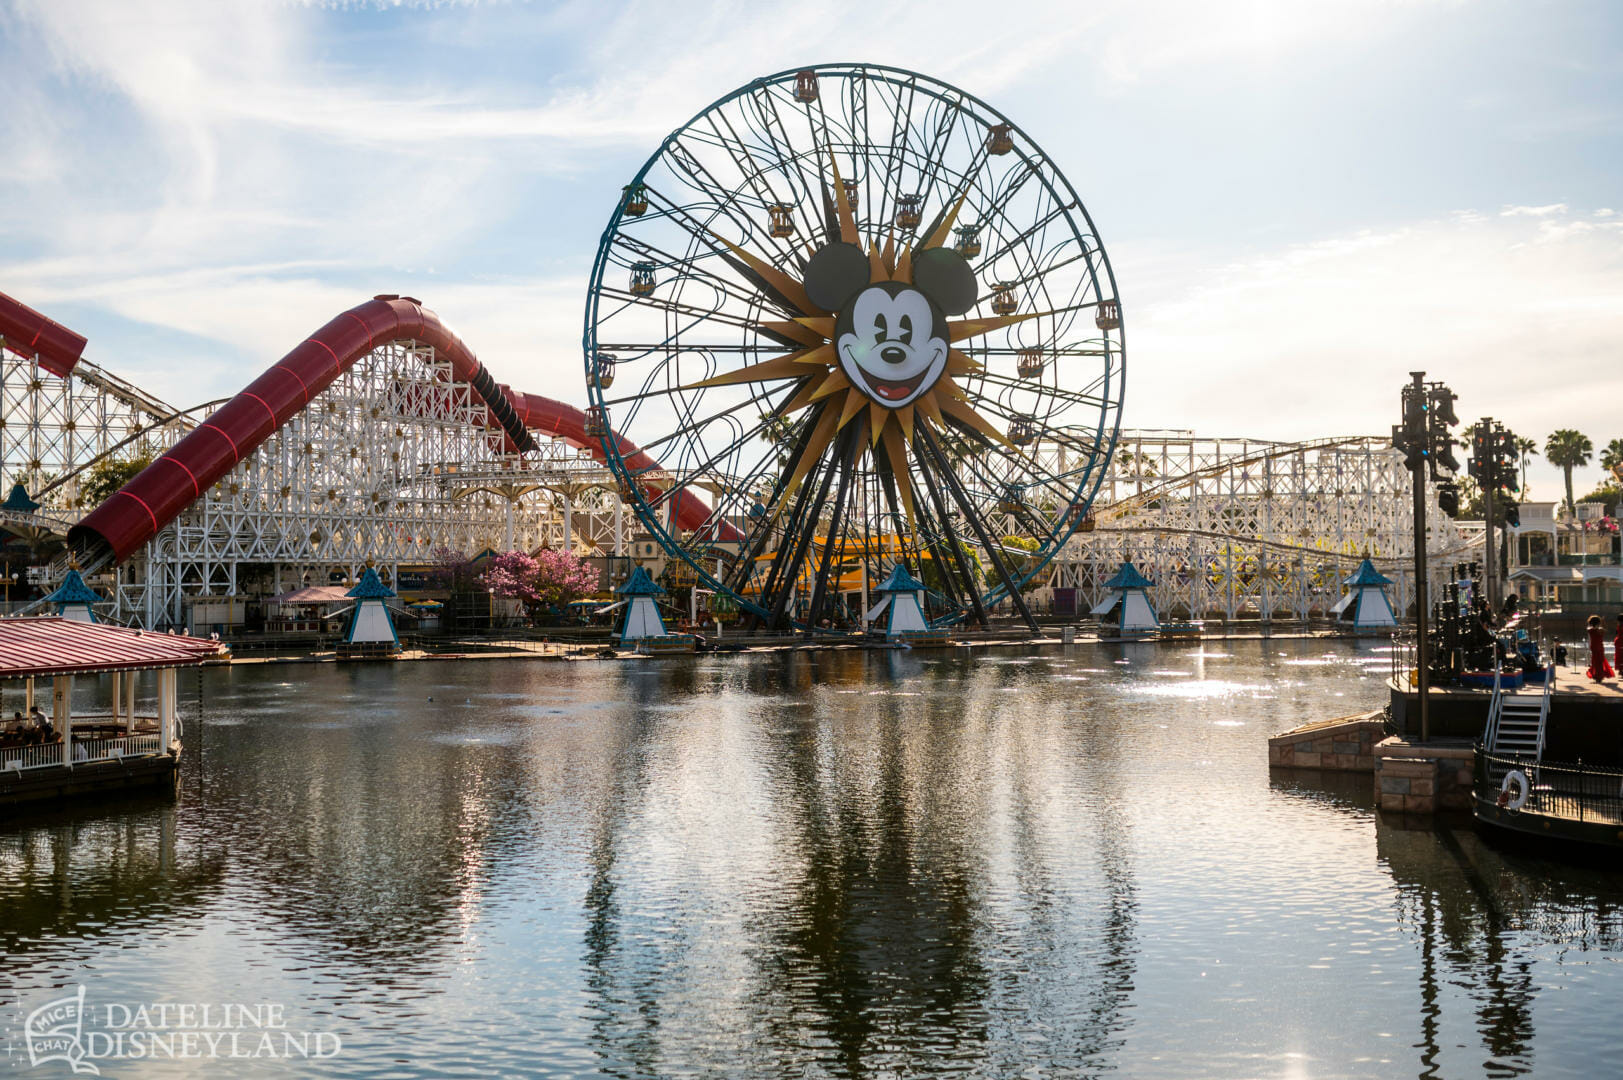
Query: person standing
{"x":1599,"y":669}
{"x":1617,"y":644}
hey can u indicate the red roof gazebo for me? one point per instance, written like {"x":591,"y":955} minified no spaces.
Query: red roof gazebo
{"x":49,"y":756}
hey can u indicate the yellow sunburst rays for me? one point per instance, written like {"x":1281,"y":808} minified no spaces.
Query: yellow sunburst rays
{"x":816,"y":364}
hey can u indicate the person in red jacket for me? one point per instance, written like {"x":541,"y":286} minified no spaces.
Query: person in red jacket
{"x":1599,"y":669}
{"x":1617,"y":644}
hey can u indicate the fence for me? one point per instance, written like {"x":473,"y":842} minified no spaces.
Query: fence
{"x":38,"y":756}
{"x":113,"y":749}
{"x":1570,"y":790}
{"x":85,"y":751}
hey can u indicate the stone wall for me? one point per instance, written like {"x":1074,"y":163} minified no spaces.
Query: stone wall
{"x":1424,"y":778}
{"x":1345,"y":744}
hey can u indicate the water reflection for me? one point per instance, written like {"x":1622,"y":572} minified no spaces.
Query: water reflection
{"x":85,"y":876}
{"x":819,"y":864}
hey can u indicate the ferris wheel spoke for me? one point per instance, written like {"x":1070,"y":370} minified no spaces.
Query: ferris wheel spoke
{"x":693,"y":474}
{"x":693,"y":427}
{"x":732,"y":290}
{"x":992,"y":551}
{"x":771,"y":116}
{"x":935,"y":159}
{"x":948,"y":538}
{"x":745,"y":162}
{"x":725,"y":251}
{"x":1071,"y":396}
{"x":1018,"y":241}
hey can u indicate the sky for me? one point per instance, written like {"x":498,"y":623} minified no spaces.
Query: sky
{"x":1302,"y":202}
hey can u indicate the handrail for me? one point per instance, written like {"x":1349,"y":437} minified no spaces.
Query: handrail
{"x":1544,"y":708}
{"x":1490,"y":733}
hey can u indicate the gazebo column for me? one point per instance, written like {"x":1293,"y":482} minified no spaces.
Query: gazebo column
{"x":129,"y":702}
{"x":28,"y":696}
{"x":166,"y":708}
{"x":62,"y":714}
{"x":118,"y":694}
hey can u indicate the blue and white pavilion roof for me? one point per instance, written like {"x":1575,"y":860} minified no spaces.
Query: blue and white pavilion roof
{"x":1366,"y":574}
{"x":639,"y":584}
{"x":73,"y":590}
{"x":370,"y":587}
{"x":900,"y":581}
{"x":1128,"y":577}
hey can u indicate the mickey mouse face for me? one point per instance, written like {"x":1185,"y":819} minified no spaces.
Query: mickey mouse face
{"x":892,"y":342}
{"x":891,"y":336}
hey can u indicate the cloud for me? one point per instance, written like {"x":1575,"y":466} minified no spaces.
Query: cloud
{"x":237,"y":172}
{"x":1519,"y":314}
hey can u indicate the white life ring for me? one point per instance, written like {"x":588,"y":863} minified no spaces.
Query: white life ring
{"x":1518,"y":779}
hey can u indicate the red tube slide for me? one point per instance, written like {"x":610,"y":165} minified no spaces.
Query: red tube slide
{"x":31,"y":335}
{"x":562,"y":421}
{"x":160,"y":492}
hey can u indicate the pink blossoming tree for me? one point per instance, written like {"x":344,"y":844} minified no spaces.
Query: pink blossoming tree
{"x":544,"y":580}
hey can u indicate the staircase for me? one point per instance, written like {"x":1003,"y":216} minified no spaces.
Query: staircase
{"x":1516,"y":722}
{"x":92,"y":558}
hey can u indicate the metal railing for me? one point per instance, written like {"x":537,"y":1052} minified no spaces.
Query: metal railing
{"x":1569,"y":790}
{"x":36,"y":756}
{"x":114,"y":749}
{"x":84,"y":751}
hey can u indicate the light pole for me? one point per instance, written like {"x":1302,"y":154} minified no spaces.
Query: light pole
{"x":1424,"y":438}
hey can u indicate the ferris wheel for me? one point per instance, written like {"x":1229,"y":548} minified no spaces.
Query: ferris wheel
{"x":853,"y":317}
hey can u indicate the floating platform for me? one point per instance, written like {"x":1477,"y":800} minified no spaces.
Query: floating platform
{"x":1586,"y":717}
{"x":1551,"y":800}
{"x":91,"y":779}
{"x":665,"y":645}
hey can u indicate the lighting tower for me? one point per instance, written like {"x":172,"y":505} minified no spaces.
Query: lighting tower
{"x":1424,"y":439}
{"x":1493,"y":465}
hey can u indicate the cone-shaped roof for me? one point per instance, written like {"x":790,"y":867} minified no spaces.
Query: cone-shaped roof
{"x":1128,"y":577}
{"x":900,"y":581}
{"x":370,"y":587}
{"x":18,"y":501}
{"x":640,"y":584}
{"x":73,"y":590}
{"x":1366,"y":574}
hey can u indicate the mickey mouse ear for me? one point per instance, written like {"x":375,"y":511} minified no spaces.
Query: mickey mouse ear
{"x":945,"y":277}
{"x":835,"y":274}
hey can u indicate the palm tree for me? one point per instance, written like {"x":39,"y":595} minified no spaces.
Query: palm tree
{"x":1567,"y":450}
{"x":1525,"y":448}
{"x":1612,"y":456}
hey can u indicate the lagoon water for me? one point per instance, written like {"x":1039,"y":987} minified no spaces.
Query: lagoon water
{"x":986,"y":863}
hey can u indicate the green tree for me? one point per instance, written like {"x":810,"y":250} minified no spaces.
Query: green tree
{"x":1609,"y":495}
{"x":1018,"y":559}
{"x":99,"y":482}
{"x":1612,"y":457}
{"x":781,"y":433}
{"x":930,"y":570}
{"x":1525,"y":449}
{"x":1567,"y":450}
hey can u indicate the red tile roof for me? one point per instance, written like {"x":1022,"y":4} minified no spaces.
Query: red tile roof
{"x":56,"y":646}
